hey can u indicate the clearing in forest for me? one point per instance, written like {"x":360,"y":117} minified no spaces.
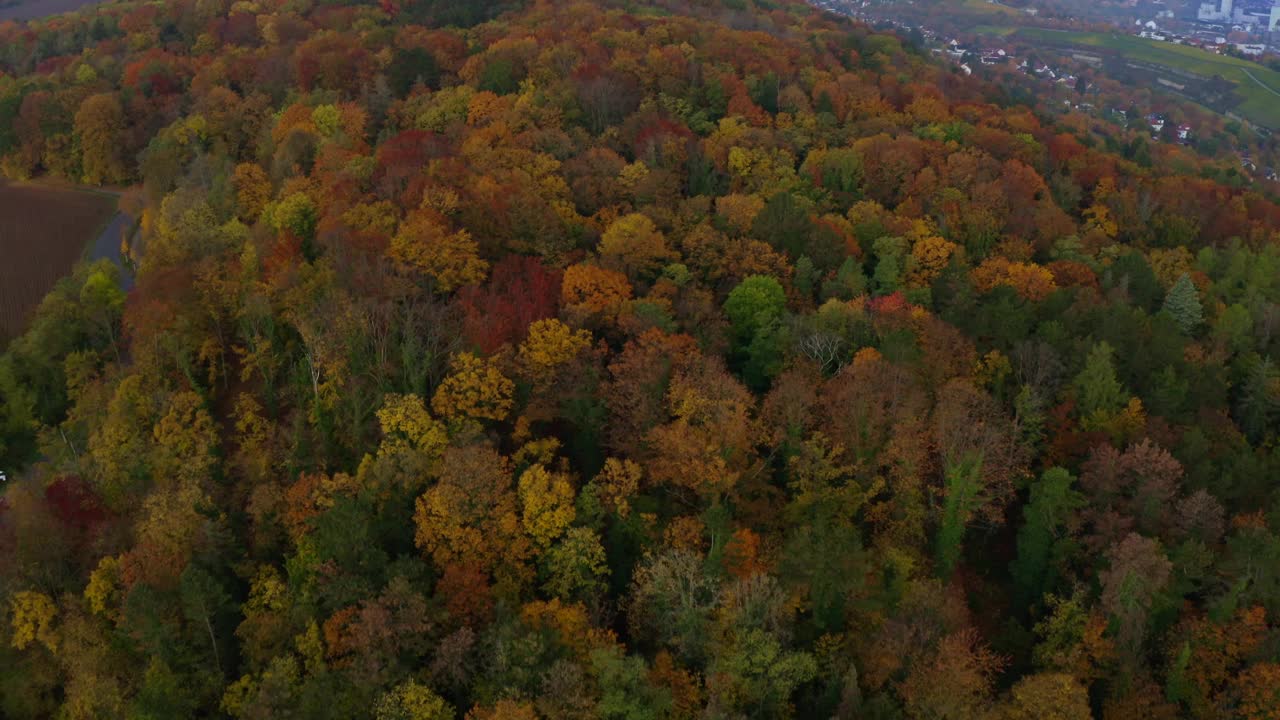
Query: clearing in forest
{"x":43,"y":232}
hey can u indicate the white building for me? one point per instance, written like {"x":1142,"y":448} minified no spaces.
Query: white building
{"x":1220,"y":13}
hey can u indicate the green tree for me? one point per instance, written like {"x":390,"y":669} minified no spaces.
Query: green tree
{"x":1097,"y":388}
{"x":754,"y":304}
{"x":1052,"y":501}
{"x":963,"y":482}
{"x":891,"y":253}
{"x":625,"y":691}
{"x":1183,"y":304}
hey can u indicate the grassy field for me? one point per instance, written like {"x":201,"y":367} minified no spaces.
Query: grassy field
{"x":1261,"y":92}
{"x":43,"y":232}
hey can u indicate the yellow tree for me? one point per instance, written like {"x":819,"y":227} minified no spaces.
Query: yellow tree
{"x":1046,"y":696}
{"x":412,"y":700}
{"x":185,"y":441}
{"x":739,"y":210}
{"x":407,"y":427}
{"x":253,"y":190}
{"x":593,"y":289}
{"x":709,"y":442}
{"x":98,"y":126}
{"x":634,"y":245}
{"x":546,"y":501}
{"x":929,"y":257}
{"x":550,"y":344}
{"x":33,"y":617}
{"x":1029,"y":280}
{"x":475,"y":389}
{"x":617,"y":482}
{"x":425,"y":244}
{"x":472,"y":515}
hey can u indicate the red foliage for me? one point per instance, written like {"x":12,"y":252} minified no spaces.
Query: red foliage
{"x":156,"y":73}
{"x":653,"y":135}
{"x":1064,"y":147}
{"x":285,"y":255}
{"x":1069,"y":273}
{"x":888,"y":304}
{"x":1068,"y":443}
{"x":149,"y":309}
{"x":520,"y":291}
{"x":466,"y":594}
{"x":240,"y":28}
{"x":399,"y":174}
{"x":75,"y":504}
{"x":52,"y":66}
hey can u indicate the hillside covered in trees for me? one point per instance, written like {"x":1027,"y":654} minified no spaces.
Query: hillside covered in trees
{"x":665,"y":359}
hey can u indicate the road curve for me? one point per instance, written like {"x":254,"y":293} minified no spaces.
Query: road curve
{"x":107,"y":247}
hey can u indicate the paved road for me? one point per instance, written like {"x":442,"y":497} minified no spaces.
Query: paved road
{"x":107,"y":246}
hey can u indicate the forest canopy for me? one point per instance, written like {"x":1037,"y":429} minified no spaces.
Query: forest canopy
{"x":624,"y":359}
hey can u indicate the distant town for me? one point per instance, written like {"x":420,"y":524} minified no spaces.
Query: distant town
{"x":1072,"y":69}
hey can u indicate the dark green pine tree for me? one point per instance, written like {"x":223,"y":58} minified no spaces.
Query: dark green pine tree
{"x":1183,"y":304}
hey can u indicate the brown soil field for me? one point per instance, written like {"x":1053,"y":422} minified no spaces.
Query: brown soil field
{"x":43,"y":232}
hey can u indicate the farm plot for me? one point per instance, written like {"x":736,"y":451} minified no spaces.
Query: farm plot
{"x":43,"y":232}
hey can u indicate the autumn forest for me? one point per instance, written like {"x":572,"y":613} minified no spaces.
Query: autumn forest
{"x":632,"y":359}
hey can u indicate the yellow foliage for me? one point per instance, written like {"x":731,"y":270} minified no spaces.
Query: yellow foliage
{"x":310,"y":645}
{"x":103,"y":585}
{"x":594,"y":288}
{"x":546,"y":501}
{"x":542,"y":451}
{"x":503,"y":710}
{"x":685,"y":533}
{"x":739,"y":211}
{"x":379,"y":217}
{"x":475,"y":389}
{"x":570,"y":622}
{"x":761,"y":169}
{"x":267,"y":592}
{"x":633,"y":176}
{"x":451,"y":259}
{"x":866,"y":356}
{"x":1123,"y":426}
{"x":1098,"y":219}
{"x":406,"y":425}
{"x":185,"y":441}
{"x":1029,"y":280}
{"x":1170,"y":264}
{"x":617,"y":482}
{"x":412,"y":700}
{"x":33,"y":616}
{"x":1047,"y":696}
{"x":992,"y":368}
{"x":633,"y":243}
{"x":929,"y":257}
{"x":253,"y":190}
{"x":550,"y":344}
